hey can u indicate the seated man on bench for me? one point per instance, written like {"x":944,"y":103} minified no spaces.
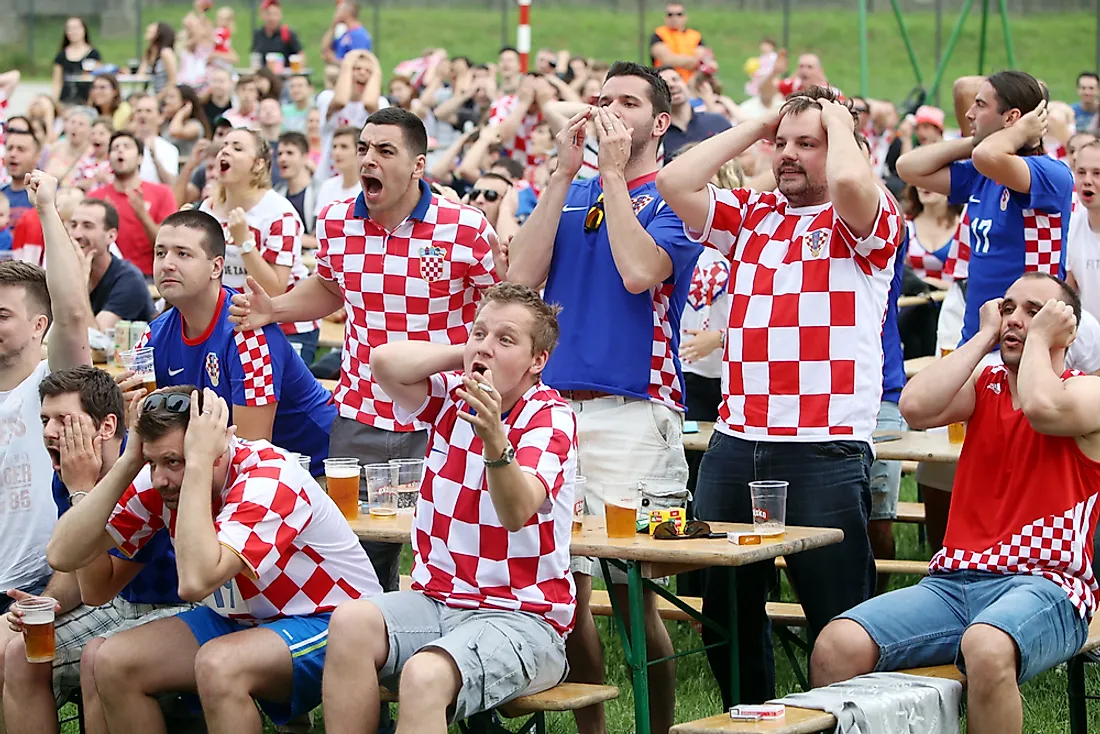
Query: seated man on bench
{"x":492,"y":597}
{"x":1011,"y":592}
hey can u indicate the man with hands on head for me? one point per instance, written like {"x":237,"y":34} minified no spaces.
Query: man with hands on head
{"x":616,"y":258}
{"x":258,"y":543}
{"x":492,"y":597}
{"x":1011,"y":592}
{"x":810,"y":270}
{"x":83,"y":429}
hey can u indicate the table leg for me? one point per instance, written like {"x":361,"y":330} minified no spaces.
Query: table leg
{"x":735,"y":652}
{"x":638,"y":647}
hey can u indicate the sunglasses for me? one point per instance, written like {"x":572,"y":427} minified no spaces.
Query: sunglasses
{"x":693,"y":529}
{"x":489,"y":194}
{"x":175,"y":402}
{"x":594,"y":218}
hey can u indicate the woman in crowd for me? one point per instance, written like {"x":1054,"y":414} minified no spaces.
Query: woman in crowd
{"x":106,"y":98}
{"x":264,"y":232}
{"x":160,"y":61}
{"x":94,"y":169}
{"x":45,"y":111}
{"x":66,"y":155}
{"x":75,"y":56}
{"x":268,"y":84}
{"x":313,"y":135}
{"x":403,"y":94}
{"x":184,"y":120}
{"x":194,"y":52}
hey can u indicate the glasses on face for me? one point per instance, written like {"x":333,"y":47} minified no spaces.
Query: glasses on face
{"x":594,"y":218}
{"x":175,"y":402}
{"x":489,"y":195}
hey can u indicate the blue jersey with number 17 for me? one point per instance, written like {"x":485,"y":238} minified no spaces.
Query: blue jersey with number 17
{"x":250,"y":368}
{"x":1011,"y":232}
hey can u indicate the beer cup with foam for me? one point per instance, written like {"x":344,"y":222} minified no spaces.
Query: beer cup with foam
{"x":342,"y":479}
{"x":38,"y":632}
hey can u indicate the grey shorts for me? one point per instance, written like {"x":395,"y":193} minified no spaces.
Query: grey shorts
{"x":501,"y":655}
{"x":886,"y":475}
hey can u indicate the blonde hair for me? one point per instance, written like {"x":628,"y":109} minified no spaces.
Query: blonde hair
{"x":730,"y":176}
{"x":261,"y":179}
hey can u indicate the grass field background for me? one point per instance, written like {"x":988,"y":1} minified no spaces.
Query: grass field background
{"x":1054,"y":47}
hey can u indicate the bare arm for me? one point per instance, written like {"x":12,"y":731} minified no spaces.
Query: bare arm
{"x":852,"y":185}
{"x":447,"y":111}
{"x":963,"y":93}
{"x":929,"y":166}
{"x":525,"y":97}
{"x":665,"y":57}
{"x":996,"y":156}
{"x":469,"y":169}
{"x":341,"y":91}
{"x":402,"y":369}
{"x":558,"y":114}
{"x":641,"y":263}
{"x":530,"y":251}
{"x":255,"y":423}
{"x":57,"y":79}
{"x":102,"y":579}
{"x":443,"y":168}
{"x":171,"y":65}
{"x":313,"y":298}
{"x":373,"y":89}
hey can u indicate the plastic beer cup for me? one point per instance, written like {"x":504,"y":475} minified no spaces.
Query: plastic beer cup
{"x":381,"y":490}
{"x":578,"y":503}
{"x":342,"y":480}
{"x":769,"y":507}
{"x":621,"y":509}
{"x":410,"y":472}
{"x":38,"y":631}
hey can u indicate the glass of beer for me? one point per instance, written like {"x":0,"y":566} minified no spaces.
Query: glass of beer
{"x":381,"y":490}
{"x":621,"y":508}
{"x":410,"y":472}
{"x":578,"y":503}
{"x":142,"y":364}
{"x":38,"y":635}
{"x":342,"y":480}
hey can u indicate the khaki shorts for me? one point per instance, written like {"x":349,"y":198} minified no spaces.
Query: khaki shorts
{"x":500,"y":654}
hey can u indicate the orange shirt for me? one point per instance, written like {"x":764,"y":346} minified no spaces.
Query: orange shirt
{"x":681,"y":43}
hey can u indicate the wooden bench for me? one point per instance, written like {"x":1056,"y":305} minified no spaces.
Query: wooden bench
{"x":883,"y":565}
{"x":806,"y":721}
{"x":785,"y":614}
{"x":562,"y":697}
{"x":911,"y":512}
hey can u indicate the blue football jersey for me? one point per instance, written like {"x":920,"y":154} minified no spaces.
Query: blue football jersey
{"x":250,"y":368}
{"x":1011,"y":232}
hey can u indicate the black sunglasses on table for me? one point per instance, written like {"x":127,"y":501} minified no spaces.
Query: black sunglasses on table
{"x":692,"y":529}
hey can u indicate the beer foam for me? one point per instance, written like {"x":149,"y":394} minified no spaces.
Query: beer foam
{"x":342,"y":472}
{"x":38,"y":616}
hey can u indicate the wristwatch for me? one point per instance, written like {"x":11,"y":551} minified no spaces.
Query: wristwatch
{"x":76,"y":497}
{"x":506,"y":458}
{"x":248,"y":246}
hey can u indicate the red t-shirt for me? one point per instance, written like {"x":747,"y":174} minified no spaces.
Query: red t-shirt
{"x":132,"y":240}
{"x":28,"y":243}
{"x":1023,"y":502}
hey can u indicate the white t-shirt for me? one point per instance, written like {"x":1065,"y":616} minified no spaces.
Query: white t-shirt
{"x":707,"y":309}
{"x":167,"y":154}
{"x":334,"y":190}
{"x":353,"y":114}
{"x":1083,"y":259}
{"x":27,"y":509}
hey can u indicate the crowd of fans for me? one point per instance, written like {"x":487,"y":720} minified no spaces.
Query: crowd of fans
{"x":541,"y":275}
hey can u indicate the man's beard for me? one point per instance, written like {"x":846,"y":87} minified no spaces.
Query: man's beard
{"x":803,"y":191}
{"x":10,"y":355}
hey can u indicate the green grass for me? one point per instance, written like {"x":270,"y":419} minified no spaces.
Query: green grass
{"x":1045,"y":710}
{"x":1052,"y":46}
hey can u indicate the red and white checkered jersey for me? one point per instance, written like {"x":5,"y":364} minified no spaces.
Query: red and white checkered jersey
{"x":1031,"y":509}
{"x":924,"y":262}
{"x":1056,"y":149}
{"x":462,"y":555}
{"x":420,"y":281}
{"x":301,"y":556}
{"x":957,"y":266}
{"x":277,"y":230}
{"x":803,"y":357}
{"x":499,"y":111}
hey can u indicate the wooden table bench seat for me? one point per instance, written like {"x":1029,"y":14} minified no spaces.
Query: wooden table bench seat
{"x":562,"y":697}
{"x":911,"y":512}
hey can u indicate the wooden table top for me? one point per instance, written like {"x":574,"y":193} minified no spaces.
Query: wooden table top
{"x":929,"y":297}
{"x":915,"y":365}
{"x":699,"y":441}
{"x":918,"y":446}
{"x":332,"y":335}
{"x":661,"y":555}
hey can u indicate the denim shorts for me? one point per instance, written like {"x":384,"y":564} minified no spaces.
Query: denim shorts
{"x":886,"y":475}
{"x":924,"y":624}
{"x":499,"y":654}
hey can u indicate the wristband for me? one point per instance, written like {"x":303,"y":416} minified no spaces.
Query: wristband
{"x":75,"y":497}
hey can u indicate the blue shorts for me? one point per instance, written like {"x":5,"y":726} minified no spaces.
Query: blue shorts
{"x":924,"y":624}
{"x":307,"y":638}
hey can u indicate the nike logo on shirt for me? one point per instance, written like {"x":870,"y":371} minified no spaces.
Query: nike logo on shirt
{"x":173,"y":373}
{"x":574,"y":208}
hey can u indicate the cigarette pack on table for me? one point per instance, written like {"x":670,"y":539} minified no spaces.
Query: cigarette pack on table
{"x":678,"y":515}
{"x":761,"y":712}
{"x":745,"y":538}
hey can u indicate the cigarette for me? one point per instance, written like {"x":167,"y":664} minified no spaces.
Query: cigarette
{"x":486,"y":388}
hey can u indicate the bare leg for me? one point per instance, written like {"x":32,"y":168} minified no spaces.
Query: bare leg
{"x":28,"y":692}
{"x":993,"y":698}
{"x":843,"y":650}
{"x":936,"y":504}
{"x":881,"y":533}
{"x":662,"y":677}
{"x":357,"y":649}
{"x":6,"y":635}
{"x":432,"y":682}
{"x":232,"y":670}
{"x":134,"y":666}
{"x":584,"y":651}
{"x":94,"y":723}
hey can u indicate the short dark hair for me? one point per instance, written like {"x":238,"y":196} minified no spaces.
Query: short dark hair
{"x":514,"y":168}
{"x":33,"y":281}
{"x":508,"y":48}
{"x":659,"y":96}
{"x":346,"y":130}
{"x":99,"y":395}
{"x":495,"y":177}
{"x":295,"y":139}
{"x":213,"y":238}
{"x":19,"y":131}
{"x":545,"y":331}
{"x":808,"y":99}
{"x":1087,"y":75}
{"x":110,"y":214}
{"x":1071,"y":296}
{"x":157,"y":423}
{"x":412,"y":127}
{"x":126,"y":134}
{"x":1017,"y":90}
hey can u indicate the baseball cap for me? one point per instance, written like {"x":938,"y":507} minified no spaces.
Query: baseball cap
{"x":268,"y":3}
{"x":927,"y":114}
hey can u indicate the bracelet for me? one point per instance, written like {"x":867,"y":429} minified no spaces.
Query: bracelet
{"x":75,"y":497}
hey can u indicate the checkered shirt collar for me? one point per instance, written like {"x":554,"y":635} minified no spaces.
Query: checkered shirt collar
{"x":419,"y":211}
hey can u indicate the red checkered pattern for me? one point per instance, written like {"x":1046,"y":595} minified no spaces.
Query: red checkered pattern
{"x":923,"y":262}
{"x":707,"y":283}
{"x":1031,"y":510}
{"x":277,"y":230}
{"x":463,"y":556}
{"x":301,"y":555}
{"x":259,"y":381}
{"x":517,"y":146}
{"x":807,"y":302}
{"x":664,"y":384}
{"x":957,"y":265}
{"x":1042,"y":241}
{"x":1056,"y":150}
{"x":388,"y":298}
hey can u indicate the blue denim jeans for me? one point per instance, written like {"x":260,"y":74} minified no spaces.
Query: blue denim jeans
{"x":830,"y":486}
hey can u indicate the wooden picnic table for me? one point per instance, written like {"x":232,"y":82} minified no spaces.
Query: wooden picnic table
{"x":929,"y":297}
{"x":915,"y":365}
{"x":643,"y":559}
{"x":701,"y":439}
{"x":332,"y":335}
{"x":917,"y":446}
